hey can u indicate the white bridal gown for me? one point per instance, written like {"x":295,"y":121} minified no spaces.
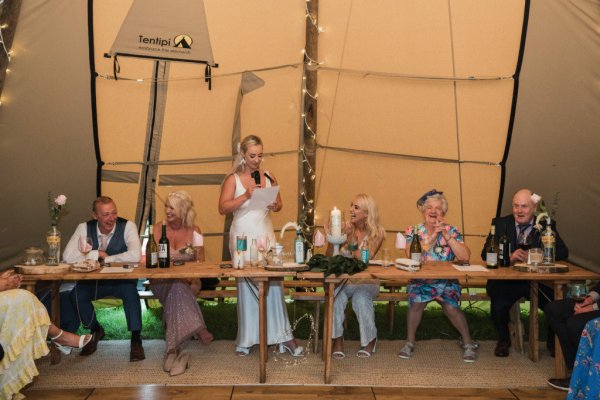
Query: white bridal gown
{"x":255,"y":224}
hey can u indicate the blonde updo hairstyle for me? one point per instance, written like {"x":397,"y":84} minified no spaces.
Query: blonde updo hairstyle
{"x":437,"y":196}
{"x":239,"y":165}
{"x":182,"y":203}
{"x":375,"y":230}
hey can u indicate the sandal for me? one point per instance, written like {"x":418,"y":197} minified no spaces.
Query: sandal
{"x":407,"y":350}
{"x":364,"y":353}
{"x":338,"y":354}
{"x":65,"y":349}
{"x":242,"y":351}
{"x":470,"y":353}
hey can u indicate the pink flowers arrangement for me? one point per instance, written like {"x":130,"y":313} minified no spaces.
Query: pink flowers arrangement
{"x":57,"y":207}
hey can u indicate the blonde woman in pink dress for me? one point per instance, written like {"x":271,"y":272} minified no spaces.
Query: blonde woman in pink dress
{"x":182,"y":313}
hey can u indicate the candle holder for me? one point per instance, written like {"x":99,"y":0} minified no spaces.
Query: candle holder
{"x":336,"y":241}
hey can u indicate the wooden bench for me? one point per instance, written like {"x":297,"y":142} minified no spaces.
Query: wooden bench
{"x":227,"y":288}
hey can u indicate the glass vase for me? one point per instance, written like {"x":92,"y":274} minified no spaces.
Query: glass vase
{"x":53,"y":240}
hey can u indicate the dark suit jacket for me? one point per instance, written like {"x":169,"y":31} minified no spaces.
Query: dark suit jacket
{"x":507,"y":224}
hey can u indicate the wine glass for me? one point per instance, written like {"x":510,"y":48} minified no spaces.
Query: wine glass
{"x":524,"y":242}
{"x":85,"y":244}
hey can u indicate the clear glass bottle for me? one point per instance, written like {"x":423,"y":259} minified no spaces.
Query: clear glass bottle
{"x":364,"y":251}
{"x":299,"y":248}
{"x":549,"y":244}
{"x":53,"y":240}
{"x":254,"y":253}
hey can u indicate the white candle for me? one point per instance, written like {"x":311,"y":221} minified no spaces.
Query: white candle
{"x":336,"y":222}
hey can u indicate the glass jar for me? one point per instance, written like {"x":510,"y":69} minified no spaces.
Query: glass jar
{"x":53,"y":241}
{"x":34,"y":256}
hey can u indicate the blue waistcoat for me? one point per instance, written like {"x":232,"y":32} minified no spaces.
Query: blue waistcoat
{"x":117,"y":243}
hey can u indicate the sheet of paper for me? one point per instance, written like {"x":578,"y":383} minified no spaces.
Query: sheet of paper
{"x":470,"y":268}
{"x":262,"y":197}
{"x":115,"y":270}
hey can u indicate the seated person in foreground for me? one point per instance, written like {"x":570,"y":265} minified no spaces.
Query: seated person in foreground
{"x":439,"y":242}
{"x":114,"y":240}
{"x":521,"y":234}
{"x":364,"y":227}
{"x":24,"y":326}
{"x":182,"y":315}
{"x":585,"y":382}
{"x":568,"y":318}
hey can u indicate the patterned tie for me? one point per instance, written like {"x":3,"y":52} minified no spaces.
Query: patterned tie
{"x":522,"y":235}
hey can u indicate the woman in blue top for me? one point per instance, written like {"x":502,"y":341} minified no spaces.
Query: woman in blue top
{"x":439,"y":242}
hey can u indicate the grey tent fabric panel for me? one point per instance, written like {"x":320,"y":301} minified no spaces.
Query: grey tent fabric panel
{"x":191,"y":179}
{"x":120,"y":176}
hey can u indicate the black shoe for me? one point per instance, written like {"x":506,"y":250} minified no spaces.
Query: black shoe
{"x":137,"y":352}
{"x":90,"y":348}
{"x":560,"y":384}
{"x":502,"y":349}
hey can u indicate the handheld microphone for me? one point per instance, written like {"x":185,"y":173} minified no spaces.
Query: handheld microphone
{"x":256,"y":176}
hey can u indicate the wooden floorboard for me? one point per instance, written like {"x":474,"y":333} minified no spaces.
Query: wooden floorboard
{"x":441,"y":393}
{"x":158,"y":392}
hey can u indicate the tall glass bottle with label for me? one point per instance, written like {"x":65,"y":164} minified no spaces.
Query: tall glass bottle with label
{"x":549,"y":243}
{"x":151,"y":250}
{"x":491,"y":250}
{"x":164,"y":251}
{"x":415,"y":248}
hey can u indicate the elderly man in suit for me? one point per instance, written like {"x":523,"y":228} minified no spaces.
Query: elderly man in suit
{"x":519,"y":227}
{"x":114,"y":239}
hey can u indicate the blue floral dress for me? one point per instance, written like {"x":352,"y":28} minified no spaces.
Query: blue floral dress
{"x":585,"y":381}
{"x":441,"y":290}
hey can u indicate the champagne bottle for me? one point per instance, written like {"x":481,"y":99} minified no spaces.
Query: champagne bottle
{"x":491,"y":250}
{"x":164,"y":252}
{"x":364,"y":251}
{"x":549,"y":243}
{"x":504,"y":251}
{"x":299,"y":248}
{"x":151,"y":250}
{"x":415,"y":248}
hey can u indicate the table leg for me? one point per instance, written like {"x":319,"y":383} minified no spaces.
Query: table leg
{"x":327,"y":332}
{"x":262,"y":316}
{"x":534,"y":351}
{"x":55,"y":293}
{"x":560,"y":369}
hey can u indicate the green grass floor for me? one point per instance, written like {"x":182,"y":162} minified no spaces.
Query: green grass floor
{"x":221,"y":319}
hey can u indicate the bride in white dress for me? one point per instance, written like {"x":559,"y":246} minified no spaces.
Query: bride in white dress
{"x":237,"y":189}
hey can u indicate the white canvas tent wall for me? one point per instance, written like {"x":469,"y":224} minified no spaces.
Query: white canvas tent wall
{"x":414,"y":130}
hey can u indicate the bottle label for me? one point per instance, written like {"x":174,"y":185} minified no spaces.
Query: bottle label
{"x":501,"y":251}
{"x":162,"y":250}
{"x":153,"y":258}
{"x":364,"y":255}
{"x":299,"y":252}
{"x":491,"y":259}
{"x":548,"y":240}
{"x":415,"y":257}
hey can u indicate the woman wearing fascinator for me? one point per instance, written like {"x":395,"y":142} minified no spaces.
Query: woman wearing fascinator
{"x":182,"y":315}
{"x":439,"y":242}
{"x":236,"y":191}
{"x":363,"y":228}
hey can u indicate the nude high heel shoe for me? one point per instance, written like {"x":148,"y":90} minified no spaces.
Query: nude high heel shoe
{"x":168,"y":361}
{"x":181,"y":364}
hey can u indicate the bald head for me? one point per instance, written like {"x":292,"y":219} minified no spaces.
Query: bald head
{"x":523,"y":207}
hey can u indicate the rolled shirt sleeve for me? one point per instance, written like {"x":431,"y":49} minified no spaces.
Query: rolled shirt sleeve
{"x":134,"y":247}
{"x":72,"y":253}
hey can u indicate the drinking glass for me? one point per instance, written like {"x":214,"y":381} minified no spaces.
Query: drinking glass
{"x":535,"y":256}
{"x":264,"y":244}
{"x":577,"y":291}
{"x":85,"y":244}
{"x":524,"y":242}
{"x":385,"y":255}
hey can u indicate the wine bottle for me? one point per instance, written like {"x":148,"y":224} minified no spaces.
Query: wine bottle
{"x":504,"y":251}
{"x":415,"y":248}
{"x":151,"y":250}
{"x":491,"y":250}
{"x":299,"y":248}
{"x":164,"y":252}
{"x":549,"y":243}
{"x":364,"y":251}
{"x":254,"y":253}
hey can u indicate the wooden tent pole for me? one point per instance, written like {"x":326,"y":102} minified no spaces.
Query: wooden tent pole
{"x":308,"y":158}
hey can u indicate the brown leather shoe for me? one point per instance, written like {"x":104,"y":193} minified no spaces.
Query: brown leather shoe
{"x":92,"y":345}
{"x":502,"y":349}
{"x":137,"y":352}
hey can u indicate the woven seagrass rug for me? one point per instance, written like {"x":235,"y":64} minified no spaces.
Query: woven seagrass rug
{"x":435,"y":363}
